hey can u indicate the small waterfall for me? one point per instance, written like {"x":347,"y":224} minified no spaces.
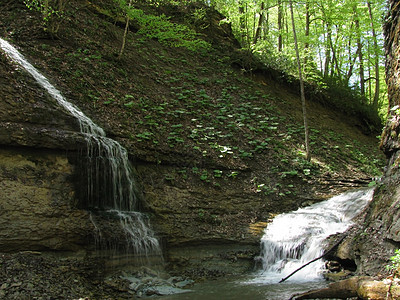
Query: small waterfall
{"x":111,"y":184}
{"x":295,"y":238}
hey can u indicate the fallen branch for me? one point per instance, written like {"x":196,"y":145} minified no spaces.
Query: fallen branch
{"x":315,"y":259}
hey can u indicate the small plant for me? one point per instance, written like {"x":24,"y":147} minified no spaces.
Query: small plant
{"x":233,"y":174}
{"x":217,"y":173}
{"x":169,"y":177}
{"x":52,"y":12}
{"x":395,"y":266}
{"x":144,"y":136}
{"x":204,"y":176}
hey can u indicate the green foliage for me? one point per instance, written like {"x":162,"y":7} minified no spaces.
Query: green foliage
{"x":163,"y":30}
{"x":395,"y":259}
{"x":52,"y":12}
{"x":338,"y":40}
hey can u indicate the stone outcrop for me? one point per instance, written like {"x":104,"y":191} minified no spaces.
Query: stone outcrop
{"x":38,"y":200}
{"x":37,"y":208}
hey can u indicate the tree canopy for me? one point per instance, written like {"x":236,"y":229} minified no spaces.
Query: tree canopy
{"x":340,"y":42}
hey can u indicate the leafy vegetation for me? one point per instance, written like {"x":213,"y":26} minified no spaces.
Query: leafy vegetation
{"x":174,"y":105}
{"x":341,"y":43}
{"x":395,"y":266}
{"x":51,"y":11}
{"x":161,"y":28}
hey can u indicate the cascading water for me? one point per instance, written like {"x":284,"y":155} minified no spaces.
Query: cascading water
{"x":295,"y":238}
{"x":111,"y":185}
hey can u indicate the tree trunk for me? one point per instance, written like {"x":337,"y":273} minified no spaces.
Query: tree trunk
{"x":302,"y":95}
{"x":280,"y":26}
{"x":360,"y":53}
{"x":307,"y":34}
{"x":327,"y":50}
{"x":260,"y":22}
{"x":376,"y":52}
{"x":125,"y":32}
{"x":242,"y":22}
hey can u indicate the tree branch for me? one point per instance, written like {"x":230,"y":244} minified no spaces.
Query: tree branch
{"x":315,"y":259}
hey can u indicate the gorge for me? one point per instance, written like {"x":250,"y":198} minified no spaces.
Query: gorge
{"x":216,"y":152}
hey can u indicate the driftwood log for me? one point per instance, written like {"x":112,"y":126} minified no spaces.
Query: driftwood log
{"x":362,"y":287}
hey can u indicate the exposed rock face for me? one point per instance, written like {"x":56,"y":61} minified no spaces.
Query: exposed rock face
{"x":43,"y":216}
{"x":28,"y":115}
{"x":38,"y":202}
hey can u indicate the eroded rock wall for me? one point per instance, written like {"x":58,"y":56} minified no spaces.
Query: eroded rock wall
{"x":37,"y":194}
{"x":37,"y":202}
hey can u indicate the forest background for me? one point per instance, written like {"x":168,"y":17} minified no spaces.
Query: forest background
{"x":340,"y":42}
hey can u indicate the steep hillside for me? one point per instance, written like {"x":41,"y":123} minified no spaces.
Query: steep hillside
{"x":217,"y":150}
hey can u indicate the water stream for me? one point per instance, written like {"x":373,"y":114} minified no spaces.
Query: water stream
{"x":289,"y":241}
{"x":111,"y":184}
{"x":295,"y":238}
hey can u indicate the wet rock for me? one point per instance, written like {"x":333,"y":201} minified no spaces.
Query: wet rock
{"x":147,"y":282}
{"x":184,"y":283}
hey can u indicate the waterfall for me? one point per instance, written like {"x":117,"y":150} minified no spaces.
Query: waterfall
{"x":295,"y":238}
{"x":111,"y":184}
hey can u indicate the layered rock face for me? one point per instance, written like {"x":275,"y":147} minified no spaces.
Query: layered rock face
{"x":37,"y":207}
{"x":38,"y":201}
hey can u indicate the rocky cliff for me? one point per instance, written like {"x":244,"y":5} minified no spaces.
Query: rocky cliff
{"x":37,"y":193}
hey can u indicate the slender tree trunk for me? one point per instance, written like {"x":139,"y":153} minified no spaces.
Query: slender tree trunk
{"x":327,"y":50}
{"x":360,"y":53}
{"x":352,"y":61}
{"x":302,"y":95}
{"x":362,"y":71}
{"x":376,"y":52}
{"x":260,"y":23}
{"x":242,"y":22}
{"x":307,"y":34}
{"x":266,"y":27}
{"x":335,"y":61}
{"x":125,"y":32}
{"x":280,"y":26}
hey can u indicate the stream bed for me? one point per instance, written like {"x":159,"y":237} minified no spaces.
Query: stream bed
{"x":290,"y":241}
{"x":246,"y":287}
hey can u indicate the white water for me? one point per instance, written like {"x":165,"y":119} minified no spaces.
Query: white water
{"x":295,"y":238}
{"x":111,"y":184}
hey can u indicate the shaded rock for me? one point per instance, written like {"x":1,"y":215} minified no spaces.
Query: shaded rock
{"x":44,"y":217}
{"x":337,"y":276}
{"x":30,"y":117}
